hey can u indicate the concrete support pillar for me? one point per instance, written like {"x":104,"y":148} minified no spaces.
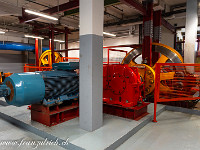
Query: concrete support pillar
{"x":190,"y":31}
{"x":91,"y":64}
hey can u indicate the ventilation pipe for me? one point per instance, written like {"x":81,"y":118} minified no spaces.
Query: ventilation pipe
{"x":18,"y":46}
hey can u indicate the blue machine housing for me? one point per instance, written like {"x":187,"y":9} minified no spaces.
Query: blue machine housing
{"x":46,"y":87}
{"x":26,"y":88}
{"x":61,"y":72}
{"x":65,"y":66}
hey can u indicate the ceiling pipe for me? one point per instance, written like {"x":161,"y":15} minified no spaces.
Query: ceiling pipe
{"x":177,"y":6}
{"x":18,"y":46}
{"x":136,"y":5}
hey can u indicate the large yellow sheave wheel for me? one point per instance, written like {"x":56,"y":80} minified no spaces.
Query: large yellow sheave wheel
{"x":45,"y":58}
{"x":168,"y":54}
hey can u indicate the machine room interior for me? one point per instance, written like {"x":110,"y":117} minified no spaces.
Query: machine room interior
{"x":99,"y":74}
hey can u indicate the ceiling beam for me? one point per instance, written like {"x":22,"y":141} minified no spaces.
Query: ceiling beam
{"x":167,"y":14}
{"x":38,"y":27}
{"x":167,"y":25}
{"x":106,"y":3}
{"x":177,"y":6}
{"x":136,"y":5}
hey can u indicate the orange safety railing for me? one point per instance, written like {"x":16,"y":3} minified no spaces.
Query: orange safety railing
{"x":176,"y":82}
{"x":112,"y":62}
{"x":67,"y":59}
{"x":33,"y":68}
{"x":108,"y":53}
{"x":109,"y":48}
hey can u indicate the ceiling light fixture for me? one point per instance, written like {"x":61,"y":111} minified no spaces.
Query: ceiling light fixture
{"x":109,"y":34}
{"x":59,"y":41}
{"x":35,"y":37}
{"x":2,"y":32}
{"x":40,"y":14}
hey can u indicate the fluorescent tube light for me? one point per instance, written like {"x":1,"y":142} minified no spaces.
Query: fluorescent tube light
{"x":40,"y":14}
{"x":2,"y":32}
{"x":55,"y":40}
{"x":109,"y":34}
{"x":35,"y":37}
{"x":59,"y":41}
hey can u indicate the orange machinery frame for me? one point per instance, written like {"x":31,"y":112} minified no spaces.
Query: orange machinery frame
{"x":157,"y":86}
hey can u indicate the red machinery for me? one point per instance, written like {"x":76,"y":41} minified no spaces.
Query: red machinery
{"x":122,"y":96}
{"x":122,"y":91}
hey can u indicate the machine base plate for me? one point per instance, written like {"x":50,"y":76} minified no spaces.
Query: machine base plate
{"x":134,"y":113}
{"x":54,"y":115}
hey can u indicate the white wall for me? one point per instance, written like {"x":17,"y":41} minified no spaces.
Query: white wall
{"x":13,"y":38}
{"x":118,"y":56}
{"x":167,"y":37}
{"x":12,"y":61}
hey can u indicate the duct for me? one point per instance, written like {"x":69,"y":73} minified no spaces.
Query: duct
{"x":9,"y":9}
{"x":177,"y":6}
{"x":18,"y":46}
{"x":174,"y":12}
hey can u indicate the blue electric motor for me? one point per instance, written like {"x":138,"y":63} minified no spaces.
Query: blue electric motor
{"x":47,"y":87}
{"x":25,"y":88}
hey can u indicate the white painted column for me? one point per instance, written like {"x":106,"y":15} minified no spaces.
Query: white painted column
{"x":191,"y":31}
{"x":91,"y":64}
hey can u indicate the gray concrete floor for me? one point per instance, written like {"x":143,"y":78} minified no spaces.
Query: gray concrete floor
{"x":174,"y":131}
{"x":9,"y":132}
{"x":100,"y":138}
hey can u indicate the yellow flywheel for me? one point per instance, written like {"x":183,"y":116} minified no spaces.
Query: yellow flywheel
{"x":45,"y":58}
{"x":148,"y":76}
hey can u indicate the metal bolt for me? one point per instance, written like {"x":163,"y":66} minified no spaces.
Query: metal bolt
{"x":151,"y":81}
{"x":147,"y":90}
{"x":149,"y":72}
